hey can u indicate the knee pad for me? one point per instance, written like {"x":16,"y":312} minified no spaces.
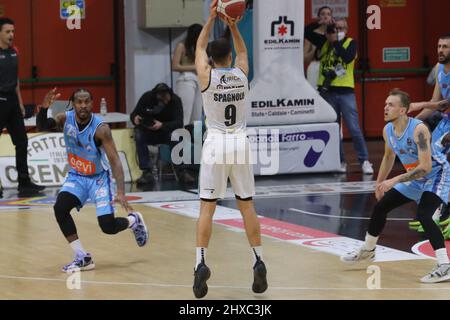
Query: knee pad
{"x":108,"y":226}
{"x":61,"y":210}
{"x":65,"y":202}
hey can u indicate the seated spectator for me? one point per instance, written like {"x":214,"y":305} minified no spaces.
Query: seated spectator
{"x":157,"y":114}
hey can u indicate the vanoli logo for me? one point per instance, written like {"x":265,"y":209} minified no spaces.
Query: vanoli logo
{"x":280,"y":27}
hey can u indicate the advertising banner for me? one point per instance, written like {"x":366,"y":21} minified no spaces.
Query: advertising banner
{"x":279,"y":93}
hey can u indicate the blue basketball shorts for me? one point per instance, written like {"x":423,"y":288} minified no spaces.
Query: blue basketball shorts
{"x":99,"y":188}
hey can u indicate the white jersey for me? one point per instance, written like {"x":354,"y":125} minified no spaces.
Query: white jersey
{"x":224,"y":101}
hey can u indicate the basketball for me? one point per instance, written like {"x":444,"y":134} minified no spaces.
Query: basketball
{"x":231,"y":8}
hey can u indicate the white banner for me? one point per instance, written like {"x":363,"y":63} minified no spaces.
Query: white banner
{"x":279,"y":91}
{"x":47,"y":162}
{"x":300,"y":148}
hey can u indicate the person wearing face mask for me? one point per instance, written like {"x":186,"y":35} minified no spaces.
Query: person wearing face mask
{"x":337,"y":87}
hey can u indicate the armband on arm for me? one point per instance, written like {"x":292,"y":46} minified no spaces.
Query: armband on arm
{"x":43,"y":123}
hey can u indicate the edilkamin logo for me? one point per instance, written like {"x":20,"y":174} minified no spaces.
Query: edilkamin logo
{"x":282,"y":24}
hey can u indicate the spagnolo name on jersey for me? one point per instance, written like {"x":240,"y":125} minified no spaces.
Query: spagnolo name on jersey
{"x":229,"y":97}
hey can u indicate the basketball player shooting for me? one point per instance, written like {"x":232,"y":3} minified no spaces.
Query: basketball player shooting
{"x":224,"y":92}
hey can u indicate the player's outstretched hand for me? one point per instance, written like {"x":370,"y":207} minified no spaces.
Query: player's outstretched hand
{"x":231,"y":22}
{"x":444,"y":105}
{"x":213,"y":10}
{"x":49,"y":98}
{"x":120,"y":198}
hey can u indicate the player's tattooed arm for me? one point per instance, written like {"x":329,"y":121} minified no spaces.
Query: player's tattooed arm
{"x":423,"y":142}
{"x":413,"y":175}
{"x":422,"y":138}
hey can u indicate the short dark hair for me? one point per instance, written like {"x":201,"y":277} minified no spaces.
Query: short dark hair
{"x":72,"y":97}
{"x":4,"y":21}
{"x":220,"y":49}
{"x":161,"y":88}
{"x":323,"y":8}
{"x":404,"y":97}
{"x":445,"y":37}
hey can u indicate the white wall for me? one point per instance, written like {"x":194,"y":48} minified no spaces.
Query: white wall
{"x":148,"y":55}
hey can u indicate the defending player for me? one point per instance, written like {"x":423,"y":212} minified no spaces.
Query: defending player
{"x":427,"y":181}
{"x":89,"y":145}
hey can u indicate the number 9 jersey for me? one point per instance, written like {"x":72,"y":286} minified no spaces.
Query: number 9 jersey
{"x":226,"y":152}
{"x":224,"y":100}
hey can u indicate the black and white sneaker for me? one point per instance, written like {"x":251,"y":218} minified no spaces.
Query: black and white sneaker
{"x":139,"y":229}
{"x":440,"y":273}
{"x":80,"y":263}
{"x":259,"y":277}
{"x":201,"y":275}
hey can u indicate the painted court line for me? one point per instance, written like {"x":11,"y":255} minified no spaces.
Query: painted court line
{"x":291,"y":190}
{"x":342,"y":217}
{"x":147,"y":284}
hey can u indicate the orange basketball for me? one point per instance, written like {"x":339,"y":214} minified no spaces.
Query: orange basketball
{"x":231,"y":8}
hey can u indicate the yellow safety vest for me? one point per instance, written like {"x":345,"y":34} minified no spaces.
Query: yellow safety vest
{"x":328,"y":61}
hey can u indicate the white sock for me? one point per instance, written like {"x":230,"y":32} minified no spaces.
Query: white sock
{"x":371,"y":242}
{"x":78,"y":247}
{"x":200,"y":255}
{"x":441,"y":256}
{"x":131,"y":221}
{"x":257,"y":252}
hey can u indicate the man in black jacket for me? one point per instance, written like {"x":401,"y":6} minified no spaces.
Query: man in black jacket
{"x":12,"y":109}
{"x":158,"y":113}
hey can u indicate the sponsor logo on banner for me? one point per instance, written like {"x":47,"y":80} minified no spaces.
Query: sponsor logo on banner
{"x":266,"y":108}
{"x":47,"y":162}
{"x":285,"y":139}
{"x":282,"y":33}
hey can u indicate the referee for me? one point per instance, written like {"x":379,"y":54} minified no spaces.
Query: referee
{"x":12,"y":110}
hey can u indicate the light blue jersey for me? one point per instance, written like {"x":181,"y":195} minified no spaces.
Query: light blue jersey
{"x":443,"y":81}
{"x":85,"y":158}
{"x":439,"y":132}
{"x":437,"y":181}
{"x":89,"y":176}
{"x":444,"y":125}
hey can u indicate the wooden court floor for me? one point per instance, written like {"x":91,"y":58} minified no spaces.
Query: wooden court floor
{"x":33,"y":251}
